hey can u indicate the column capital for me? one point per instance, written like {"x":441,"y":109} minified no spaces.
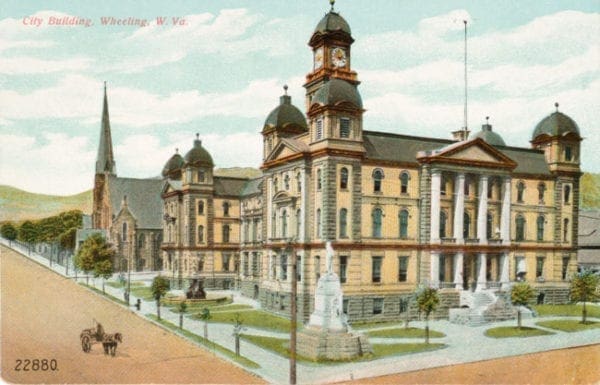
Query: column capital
{"x":483,"y":177}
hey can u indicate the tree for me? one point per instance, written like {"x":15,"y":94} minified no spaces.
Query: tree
{"x":28,"y":232}
{"x":160,"y":286}
{"x":520,"y":295}
{"x":95,"y":256}
{"x":66,"y":239}
{"x":182,"y":309}
{"x":205,"y":316}
{"x":584,"y":288}
{"x":9,"y":232}
{"x":238,"y":323}
{"x":427,"y":301}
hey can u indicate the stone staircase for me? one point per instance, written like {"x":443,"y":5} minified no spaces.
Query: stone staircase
{"x":481,"y":307}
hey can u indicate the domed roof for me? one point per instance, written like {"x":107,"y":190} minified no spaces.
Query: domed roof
{"x":331,"y":22}
{"x":198,"y":155}
{"x":489,"y":136}
{"x":285,"y":114}
{"x":555,"y":124}
{"x":335,"y":91}
{"x":173,"y":164}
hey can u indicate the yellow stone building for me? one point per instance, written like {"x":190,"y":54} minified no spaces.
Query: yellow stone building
{"x":465,"y":215}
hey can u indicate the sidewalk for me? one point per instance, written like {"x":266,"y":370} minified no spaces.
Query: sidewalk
{"x":464,"y":344}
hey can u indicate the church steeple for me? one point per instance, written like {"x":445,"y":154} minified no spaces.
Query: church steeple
{"x":105,"y":162}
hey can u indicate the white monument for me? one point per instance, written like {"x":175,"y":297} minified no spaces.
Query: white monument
{"x":327,"y":334}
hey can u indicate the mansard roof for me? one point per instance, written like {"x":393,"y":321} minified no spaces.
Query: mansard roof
{"x":143,"y":199}
{"x":225,"y":186}
{"x":252,"y":187}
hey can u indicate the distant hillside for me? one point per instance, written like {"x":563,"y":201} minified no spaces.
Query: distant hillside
{"x":590,"y":190}
{"x":238,"y":172}
{"x":17,"y":205}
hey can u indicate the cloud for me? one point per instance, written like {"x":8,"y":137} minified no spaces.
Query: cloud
{"x":30,"y":65}
{"x":51,"y":164}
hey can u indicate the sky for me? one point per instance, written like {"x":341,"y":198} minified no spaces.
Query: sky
{"x":217,"y":68}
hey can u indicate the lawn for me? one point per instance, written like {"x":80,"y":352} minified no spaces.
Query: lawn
{"x":514,"y":331}
{"x":118,"y":284}
{"x":369,"y":325}
{"x":206,"y":343}
{"x":142,"y":292}
{"x":253,"y":318}
{"x":281,"y":347}
{"x":404,"y":333}
{"x":195,"y":306}
{"x":566,"y":310}
{"x":570,"y":325}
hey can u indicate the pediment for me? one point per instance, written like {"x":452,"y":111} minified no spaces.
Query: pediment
{"x":286,"y":148}
{"x":474,"y":152}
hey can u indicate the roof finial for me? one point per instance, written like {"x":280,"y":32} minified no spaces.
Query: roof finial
{"x":176,"y":150}
{"x":285,"y":88}
{"x":332,"y":2}
{"x":556,"y":105}
{"x":105,"y":86}
{"x":487,"y":120}
{"x":197,"y":135}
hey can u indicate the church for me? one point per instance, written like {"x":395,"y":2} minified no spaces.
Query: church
{"x":468,"y":215}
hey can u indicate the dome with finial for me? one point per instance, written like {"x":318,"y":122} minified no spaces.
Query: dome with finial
{"x":198,"y":156}
{"x":173,"y":165}
{"x":489,"y":136}
{"x":555,"y":124}
{"x":336,"y":91}
{"x":285,"y":115}
{"x":332,"y":21}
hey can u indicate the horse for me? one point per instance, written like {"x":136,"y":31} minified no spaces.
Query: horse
{"x":110,"y":341}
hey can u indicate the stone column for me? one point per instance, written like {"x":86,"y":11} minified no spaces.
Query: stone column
{"x":481,"y":276}
{"x":504,"y":277}
{"x":434,"y":279}
{"x":482,"y":212}
{"x":505,"y":213}
{"x":436,"y":179}
{"x":303,"y":200}
{"x":459,"y":209}
{"x":458,"y":270}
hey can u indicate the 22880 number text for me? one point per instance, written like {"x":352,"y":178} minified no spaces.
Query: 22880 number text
{"x":36,"y":365}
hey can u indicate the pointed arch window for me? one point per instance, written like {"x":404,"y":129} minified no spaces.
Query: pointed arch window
{"x":404,"y":182}
{"x":124,"y":228}
{"x":466,"y":225}
{"x":377,"y":178}
{"x":541,"y":191}
{"x":443,"y":221}
{"x":200,"y":234}
{"x":403,"y":222}
{"x":343,"y":223}
{"x":344,"y":178}
{"x":377,"y":220}
{"x":520,"y":227}
{"x":520,"y":190}
{"x":540,"y":227}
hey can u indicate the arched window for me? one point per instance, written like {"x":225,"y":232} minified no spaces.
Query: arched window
{"x":466,"y":225}
{"x":201,"y":176}
{"x":124,"y":228}
{"x":298,"y":222}
{"x":443,"y":184}
{"x":200,"y":234}
{"x":200,"y":207}
{"x":541,"y":191}
{"x":567,"y":193}
{"x":319,"y":180}
{"x":540,"y":227}
{"x":344,"y":128}
{"x":284,"y":224}
{"x":565,"y":229}
{"x":286,"y":182}
{"x":377,"y":219}
{"x":377,"y":178}
{"x":404,"y":182}
{"x":520,"y":190}
{"x":344,"y":178}
{"x":318,"y":223}
{"x":489,"y":225}
{"x":226,"y":231}
{"x":520,"y":224}
{"x":226,"y":209}
{"x":343,"y":223}
{"x":443,"y":220}
{"x":403,"y":220}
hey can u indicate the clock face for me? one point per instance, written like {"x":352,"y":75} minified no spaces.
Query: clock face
{"x":319,"y":58}
{"x":338,"y":57}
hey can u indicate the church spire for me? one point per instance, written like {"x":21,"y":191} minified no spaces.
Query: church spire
{"x":105,"y":162}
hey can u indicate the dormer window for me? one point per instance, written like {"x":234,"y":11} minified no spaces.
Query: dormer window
{"x":319,"y":129}
{"x":344,"y":128}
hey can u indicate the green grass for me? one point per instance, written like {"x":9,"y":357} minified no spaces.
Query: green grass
{"x":566,"y":310}
{"x":99,"y":291}
{"x":404,"y":333}
{"x":281,"y":346}
{"x":197,"y":305}
{"x":207,"y":343}
{"x":514,"y":331}
{"x":142,"y":292}
{"x":370,"y":325}
{"x":253,"y":318}
{"x":569,"y":325}
{"x":118,"y":285}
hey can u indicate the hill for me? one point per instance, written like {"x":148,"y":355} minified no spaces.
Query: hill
{"x":17,"y":205}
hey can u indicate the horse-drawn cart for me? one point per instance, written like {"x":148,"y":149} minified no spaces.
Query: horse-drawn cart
{"x":95,"y":335}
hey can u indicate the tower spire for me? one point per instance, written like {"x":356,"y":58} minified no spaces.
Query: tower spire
{"x":105,"y":162}
{"x":463,"y":133}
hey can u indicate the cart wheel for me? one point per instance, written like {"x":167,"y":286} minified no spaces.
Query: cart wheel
{"x":86,"y":344}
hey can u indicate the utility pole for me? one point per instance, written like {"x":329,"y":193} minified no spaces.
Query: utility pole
{"x":294,"y":313}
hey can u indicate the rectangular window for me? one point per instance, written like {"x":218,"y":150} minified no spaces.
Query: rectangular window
{"x":402,"y":269}
{"x":565,"y":267}
{"x":226,"y":258}
{"x":254,"y":264}
{"x":403,"y":306}
{"x":520,"y":268}
{"x":568,"y":153}
{"x":344,"y":128}
{"x":345,"y":306}
{"x":273,"y":267}
{"x":299,"y":268}
{"x":283,"y":267}
{"x":343,"y":268}
{"x":539,"y":267}
{"x":201,"y":176}
{"x":319,"y":129}
{"x":377,"y":305}
{"x":376,"y":269}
